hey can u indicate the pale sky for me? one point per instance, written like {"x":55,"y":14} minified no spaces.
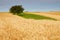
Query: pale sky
{"x":31,"y":5}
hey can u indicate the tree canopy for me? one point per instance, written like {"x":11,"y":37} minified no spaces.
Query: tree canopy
{"x":17,"y":9}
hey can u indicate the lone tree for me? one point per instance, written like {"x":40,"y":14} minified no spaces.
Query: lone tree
{"x":17,"y":9}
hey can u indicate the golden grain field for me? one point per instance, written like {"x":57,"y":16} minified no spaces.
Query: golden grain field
{"x":13,"y":27}
{"x":55,"y":15}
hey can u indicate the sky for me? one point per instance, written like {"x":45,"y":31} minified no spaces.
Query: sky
{"x":31,"y":5}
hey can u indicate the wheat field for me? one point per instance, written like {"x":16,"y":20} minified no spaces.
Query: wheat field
{"x":13,"y":27}
{"x":55,"y":15}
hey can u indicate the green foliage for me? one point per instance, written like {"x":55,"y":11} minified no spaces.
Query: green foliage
{"x":17,"y":9}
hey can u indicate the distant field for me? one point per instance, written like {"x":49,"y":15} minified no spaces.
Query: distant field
{"x":55,"y":15}
{"x":40,"y":15}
